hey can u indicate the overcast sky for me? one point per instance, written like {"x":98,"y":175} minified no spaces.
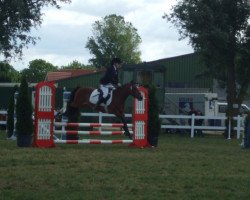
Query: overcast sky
{"x":64,"y":32}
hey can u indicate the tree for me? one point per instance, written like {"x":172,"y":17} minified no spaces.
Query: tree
{"x":76,"y":65}
{"x":24,"y":122}
{"x":37,"y":70}
{"x":10,"y":117}
{"x":219,"y":31}
{"x":16,"y":20}
{"x":113,"y":37}
{"x":8,"y":73}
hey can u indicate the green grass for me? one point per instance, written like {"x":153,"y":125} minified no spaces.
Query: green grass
{"x":180,"y":168}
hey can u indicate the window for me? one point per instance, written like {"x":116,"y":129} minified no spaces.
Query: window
{"x":159,"y":79}
{"x":127,"y":76}
{"x":144,"y":77}
{"x":222,"y":108}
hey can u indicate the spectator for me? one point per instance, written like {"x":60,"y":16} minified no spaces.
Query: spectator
{"x":197,"y":122}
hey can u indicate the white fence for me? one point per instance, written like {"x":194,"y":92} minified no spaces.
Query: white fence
{"x":239,"y":124}
{"x":192,"y":127}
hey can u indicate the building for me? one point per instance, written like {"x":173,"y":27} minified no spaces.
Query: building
{"x":184,"y":73}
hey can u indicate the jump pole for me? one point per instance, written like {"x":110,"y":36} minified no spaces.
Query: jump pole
{"x":44,"y":121}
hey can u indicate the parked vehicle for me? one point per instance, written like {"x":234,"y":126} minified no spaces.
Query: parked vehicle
{"x":222,"y":108}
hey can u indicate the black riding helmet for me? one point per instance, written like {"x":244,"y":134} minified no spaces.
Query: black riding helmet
{"x":116,"y":60}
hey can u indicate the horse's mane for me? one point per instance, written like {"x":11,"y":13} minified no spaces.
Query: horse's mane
{"x":126,"y":85}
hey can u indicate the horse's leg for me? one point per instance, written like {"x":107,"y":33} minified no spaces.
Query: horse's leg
{"x":125,"y":127}
{"x":72,"y":114}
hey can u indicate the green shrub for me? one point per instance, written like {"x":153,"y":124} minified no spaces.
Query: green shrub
{"x":246,"y":135}
{"x":24,"y":123}
{"x":10,"y":115}
{"x":154,"y":123}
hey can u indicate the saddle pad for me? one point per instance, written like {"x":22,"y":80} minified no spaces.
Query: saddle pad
{"x":95,"y":96}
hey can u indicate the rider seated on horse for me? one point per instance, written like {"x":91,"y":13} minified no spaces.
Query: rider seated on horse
{"x":109,"y":81}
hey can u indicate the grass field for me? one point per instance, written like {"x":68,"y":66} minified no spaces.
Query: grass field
{"x":180,"y":168}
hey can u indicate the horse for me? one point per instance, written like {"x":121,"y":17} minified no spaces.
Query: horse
{"x":80,"y":99}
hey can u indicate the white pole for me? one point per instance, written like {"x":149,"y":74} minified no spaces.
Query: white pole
{"x":100,"y":120}
{"x":229,"y":128}
{"x":13,"y":137}
{"x":238,"y":126}
{"x":192,"y":125}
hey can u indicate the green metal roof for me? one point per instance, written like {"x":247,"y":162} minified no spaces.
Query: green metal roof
{"x":86,"y":80}
{"x":183,"y":71}
{"x":144,"y":66}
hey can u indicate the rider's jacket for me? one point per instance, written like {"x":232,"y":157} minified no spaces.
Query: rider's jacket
{"x":111,"y":76}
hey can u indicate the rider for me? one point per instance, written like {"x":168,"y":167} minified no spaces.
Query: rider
{"x":109,"y":81}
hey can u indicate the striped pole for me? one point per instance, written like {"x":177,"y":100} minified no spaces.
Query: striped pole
{"x":90,"y":141}
{"x":89,"y":124}
{"x":72,"y":132}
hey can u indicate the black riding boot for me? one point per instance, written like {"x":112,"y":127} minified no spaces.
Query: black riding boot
{"x":100,"y":100}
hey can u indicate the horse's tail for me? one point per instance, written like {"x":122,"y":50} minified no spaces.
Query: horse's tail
{"x":72,"y":95}
{"x":72,"y":112}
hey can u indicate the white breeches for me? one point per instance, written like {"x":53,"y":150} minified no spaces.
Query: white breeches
{"x":105,"y":89}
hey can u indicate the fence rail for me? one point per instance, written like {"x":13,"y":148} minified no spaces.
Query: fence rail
{"x":238,"y":128}
{"x":192,"y":127}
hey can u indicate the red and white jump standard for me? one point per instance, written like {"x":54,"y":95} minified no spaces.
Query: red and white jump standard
{"x":44,"y":122}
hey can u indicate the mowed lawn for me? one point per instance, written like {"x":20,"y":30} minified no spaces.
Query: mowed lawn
{"x":180,"y":168}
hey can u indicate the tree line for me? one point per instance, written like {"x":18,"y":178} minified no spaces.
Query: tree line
{"x":111,"y":37}
{"x":36,"y":71}
{"x":219,"y":30}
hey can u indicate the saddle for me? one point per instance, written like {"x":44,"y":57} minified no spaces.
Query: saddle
{"x":95,"y":96}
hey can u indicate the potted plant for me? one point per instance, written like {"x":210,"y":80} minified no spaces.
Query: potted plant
{"x":246,"y":137}
{"x":24,"y":122}
{"x":154,"y":123}
{"x":10,"y":115}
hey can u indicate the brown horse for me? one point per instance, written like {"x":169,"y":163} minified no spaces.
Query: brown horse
{"x":80,"y":98}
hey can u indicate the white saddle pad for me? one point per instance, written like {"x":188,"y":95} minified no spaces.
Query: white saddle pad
{"x":95,"y":95}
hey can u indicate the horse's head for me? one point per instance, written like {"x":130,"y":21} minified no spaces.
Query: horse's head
{"x":134,"y":91}
{"x":128,"y":89}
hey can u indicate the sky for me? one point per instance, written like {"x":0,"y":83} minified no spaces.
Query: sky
{"x":64,"y":32}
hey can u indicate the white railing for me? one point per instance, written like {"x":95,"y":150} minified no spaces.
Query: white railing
{"x":192,"y":127}
{"x":239,"y":127}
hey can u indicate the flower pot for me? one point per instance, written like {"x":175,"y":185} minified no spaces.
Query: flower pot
{"x":153,"y":140}
{"x":24,"y":140}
